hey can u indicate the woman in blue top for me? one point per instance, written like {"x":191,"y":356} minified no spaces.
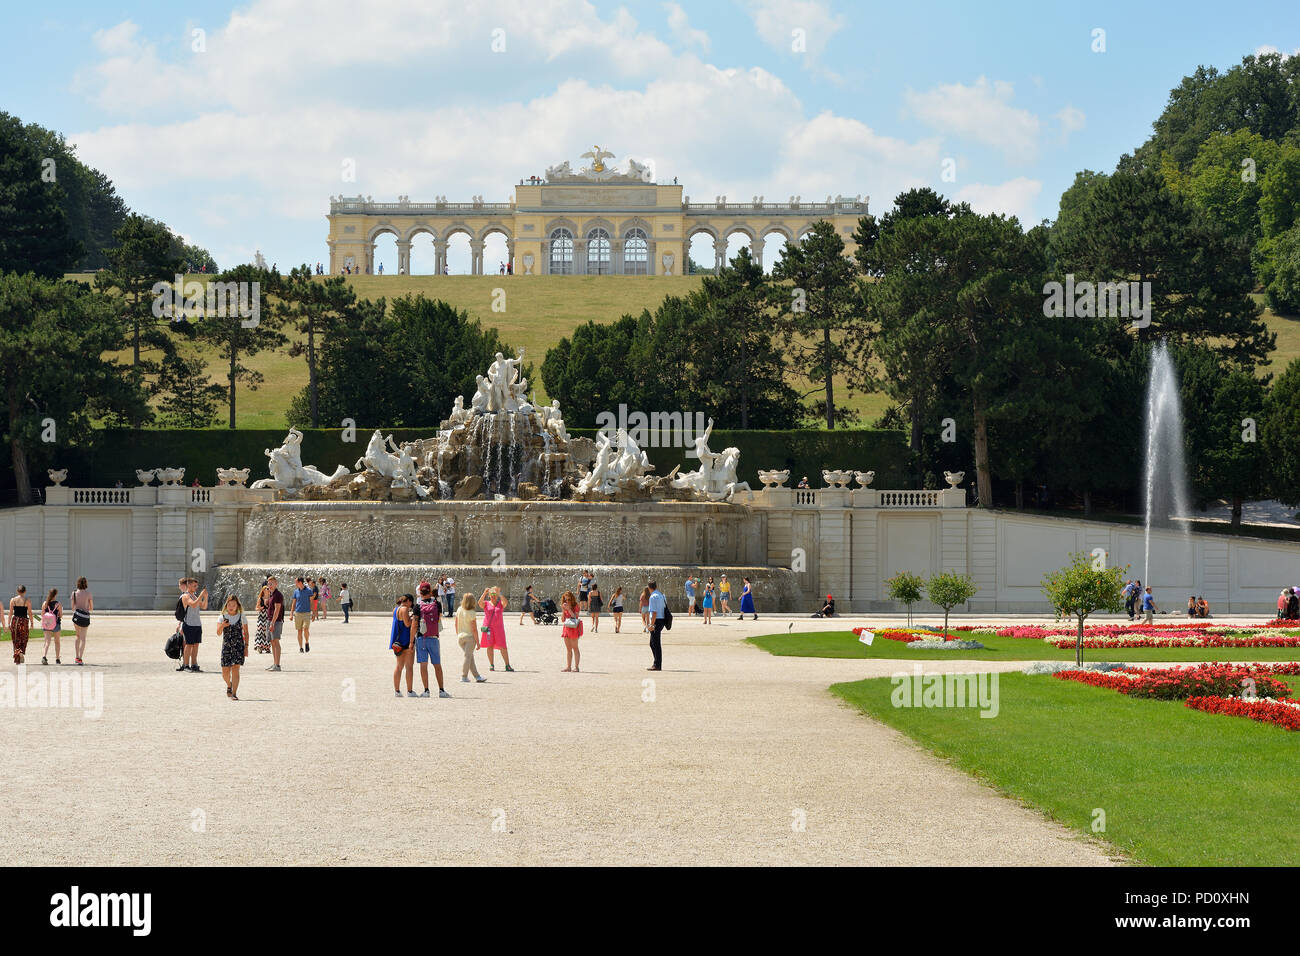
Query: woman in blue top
{"x":747,"y":600}
{"x":401,"y":641}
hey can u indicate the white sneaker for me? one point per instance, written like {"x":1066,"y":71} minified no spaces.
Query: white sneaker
{"x":482,"y":680}
{"x":397,"y":693}
{"x":426,"y":692}
{"x":443,"y":693}
{"x":464,"y":680}
{"x":411,"y":693}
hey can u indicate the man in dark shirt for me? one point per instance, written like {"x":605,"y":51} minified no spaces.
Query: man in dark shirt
{"x":274,"y":620}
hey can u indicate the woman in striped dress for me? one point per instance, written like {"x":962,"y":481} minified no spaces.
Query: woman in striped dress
{"x":262,"y":642}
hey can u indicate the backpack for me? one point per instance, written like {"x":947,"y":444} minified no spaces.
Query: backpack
{"x":173,"y":647}
{"x":180,"y":609}
{"x":49,"y":620}
{"x":430,"y":611}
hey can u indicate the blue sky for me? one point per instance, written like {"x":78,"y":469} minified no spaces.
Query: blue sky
{"x":239,"y":145}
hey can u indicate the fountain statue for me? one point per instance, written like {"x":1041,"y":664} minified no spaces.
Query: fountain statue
{"x":288,"y":473}
{"x":716,"y":478}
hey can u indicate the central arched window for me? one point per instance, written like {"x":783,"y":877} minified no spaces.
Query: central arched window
{"x":561,"y":252}
{"x":636,"y":253}
{"x":598,"y":252}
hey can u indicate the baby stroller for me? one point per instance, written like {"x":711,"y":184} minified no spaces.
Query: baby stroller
{"x":547,"y":612}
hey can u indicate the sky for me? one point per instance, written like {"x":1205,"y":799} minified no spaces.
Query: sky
{"x":234,"y":123}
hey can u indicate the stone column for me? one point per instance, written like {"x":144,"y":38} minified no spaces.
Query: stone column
{"x":616,"y":257}
{"x":476,"y":256}
{"x":511,"y":266}
{"x":439,"y":255}
{"x":579,"y":257}
{"x":756,"y":250}
{"x":403,"y":257}
{"x":719,"y":254}
{"x":544,"y":266}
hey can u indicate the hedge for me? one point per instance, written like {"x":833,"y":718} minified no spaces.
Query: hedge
{"x":114,"y":454}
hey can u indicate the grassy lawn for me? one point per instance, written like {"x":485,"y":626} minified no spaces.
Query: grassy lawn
{"x":846,"y":644}
{"x":1178,"y":787}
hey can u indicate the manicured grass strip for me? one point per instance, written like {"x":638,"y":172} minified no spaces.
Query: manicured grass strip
{"x":845,"y":644}
{"x":1178,"y":787}
{"x":33,"y":635}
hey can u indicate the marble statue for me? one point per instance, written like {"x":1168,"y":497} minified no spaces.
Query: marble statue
{"x":233,"y":476}
{"x":864,"y":477}
{"x":288,"y":473}
{"x":459,"y":414}
{"x":385,"y":458}
{"x":619,"y":461}
{"x":58,"y":476}
{"x":562,"y":171}
{"x":954,"y":477}
{"x":171,"y":476}
{"x":716,"y":477}
{"x":835,"y":478}
{"x":145,"y":476}
{"x":774,"y":479}
{"x":726,"y":482}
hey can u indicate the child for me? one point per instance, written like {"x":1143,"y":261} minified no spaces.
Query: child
{"x":233,"y":630}
{"x":571,"y":630}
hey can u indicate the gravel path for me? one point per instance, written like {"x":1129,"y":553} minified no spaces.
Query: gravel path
{"x":320,"y":764}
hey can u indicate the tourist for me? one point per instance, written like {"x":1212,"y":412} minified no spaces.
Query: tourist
{"x":529,"y":610}
{"x":645,"y":610}
{"x":724,"y":594}
{"x":400,"y":642}
{"x":233,"y":630}
{"x":192,"y":627}
{"x":747,"y":600}
{"x":803,"y":482}
{"x":83,"y":602}
{"x":1202,"y":607}
{"x":827,"y":608}
{"x":1148,"y":606}
{"x":345,"y":601}
{"x":570,"y":630}
{"x":450,"y":588}
{"x":690,"y":595}
{"x":324,"y":600}
{"x":657,"y":604}
{"x":262,"y":639}
{"x":302,"y":608}
{"x":20,"y":609}
{"x":1293,"y":605}
{"x":1191,"y":606}
{"x":315,"y":598}
{"x":1281,"y":603}
{"x":52,"y":624}
{"x":440,"y":590}
{"x":616,"y":608}
{"x":706,"y":605}
{"x":274,"y":619}
{"x":594,"y":603}
{"x":467,"y":638}
{"x":1129,"y":594}
{"x":493,"y":628}
{"x":428,"y":646}
{"x":584,"y":585}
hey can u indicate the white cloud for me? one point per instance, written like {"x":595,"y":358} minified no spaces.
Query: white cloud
{"x":1015,"y":197}
{"x":981,"y":112}
{"x":1071,"y":120}
{"x":679,"y":23}
{"x":788,"y":25}
{"x":1269,"y":48}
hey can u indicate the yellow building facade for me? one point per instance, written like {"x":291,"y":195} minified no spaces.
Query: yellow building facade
{"x":596,"y":221}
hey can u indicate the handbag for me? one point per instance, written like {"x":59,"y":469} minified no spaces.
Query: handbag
{"x":80,"y":618}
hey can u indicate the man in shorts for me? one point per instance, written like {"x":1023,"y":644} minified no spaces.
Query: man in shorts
{"x":584,"y":588}
{"x":302,"y":614}
{"x":274,"y":620}
{"x":192,"y":627}
{"x":427,"y":650}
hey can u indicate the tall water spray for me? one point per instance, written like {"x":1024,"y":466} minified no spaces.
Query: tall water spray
{"x":1166,"y":494}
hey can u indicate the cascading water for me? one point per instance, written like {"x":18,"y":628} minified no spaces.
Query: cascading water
{"x":1166,"y":491}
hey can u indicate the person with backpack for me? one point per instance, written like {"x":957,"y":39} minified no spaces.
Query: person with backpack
{"x":657,"y":609}
{"x":52,"y":623}
{"x":428,"y":648}
{"x":192,"y":625}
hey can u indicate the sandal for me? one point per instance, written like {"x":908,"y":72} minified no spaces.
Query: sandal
{"x":229,"y":692}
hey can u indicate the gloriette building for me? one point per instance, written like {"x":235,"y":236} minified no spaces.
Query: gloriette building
{"x":595,"y":221}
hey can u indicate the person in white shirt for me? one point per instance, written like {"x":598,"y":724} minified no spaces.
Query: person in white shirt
{"x":345,"y":601}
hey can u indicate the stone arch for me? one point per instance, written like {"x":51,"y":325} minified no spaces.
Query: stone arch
{"x":598,"y":222}
{"x":785,"y":231}
{"x":695,"y":229}
{"x":561,"y":223}
{"x":743,"y":228}
{"x":636,"y":222}
{"x":458,"y":227}
{"x":766,"y":249}
{"x":500,"y":227}
{"x":419,"y":229}
{"x":382,"y":228}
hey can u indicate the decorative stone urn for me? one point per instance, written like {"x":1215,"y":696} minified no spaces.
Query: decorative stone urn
{"x":528,"y":263}
{"x":233,"y":476}
{"x":864,"y":477}
{"x":837,"y":479}
{"x":954,"y":477}
{"x":773,"y":479}
{"x":58,"y":476}
{"x":667,"y":260}
{"x":171,"y":476}
{"x":145,"y":477}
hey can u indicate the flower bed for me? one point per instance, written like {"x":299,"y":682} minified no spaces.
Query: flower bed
{"x":1283,"y":713}
{"x":1180,"y":683}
